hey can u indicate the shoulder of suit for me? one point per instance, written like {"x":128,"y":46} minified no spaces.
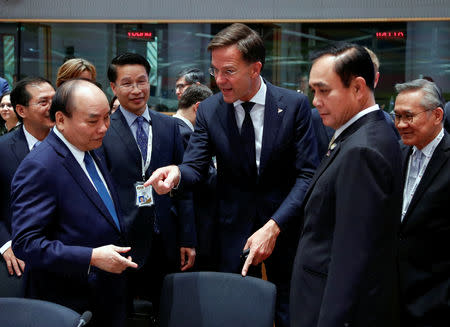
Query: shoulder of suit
{"x":8,"y":137}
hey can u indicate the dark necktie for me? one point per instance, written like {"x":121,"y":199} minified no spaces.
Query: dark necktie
{"x":141,"y":137}
{"x":100,"y":186}
{"x":248,"y":139}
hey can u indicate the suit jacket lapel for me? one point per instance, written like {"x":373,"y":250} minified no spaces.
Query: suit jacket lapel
{"x":120,"y":126}
{"x":272,"y":122}
{"x":19,"y":145}
{"x":439,"y":157}
{"x":72,"y":166}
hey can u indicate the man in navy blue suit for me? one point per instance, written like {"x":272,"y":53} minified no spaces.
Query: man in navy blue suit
{"x":266,"y":155}
{"x":162,"y":233}
{"x":31,"y":99}
{"x":66,"y":222}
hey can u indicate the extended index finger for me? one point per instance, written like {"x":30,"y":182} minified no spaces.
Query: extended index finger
{"x":247,"y":263}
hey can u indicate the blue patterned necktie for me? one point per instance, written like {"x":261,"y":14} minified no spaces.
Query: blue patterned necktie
{"x":414,"y":170}
{"x":248,"y":139}
{"x":100,"y":186}
{"x":141,"y":137}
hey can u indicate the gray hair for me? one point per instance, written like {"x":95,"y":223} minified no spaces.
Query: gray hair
{"x":432,"y":98}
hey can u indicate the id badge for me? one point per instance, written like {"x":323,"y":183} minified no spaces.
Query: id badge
{"x":144,"y":195}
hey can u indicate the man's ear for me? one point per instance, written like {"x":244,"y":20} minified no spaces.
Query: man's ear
{"x":196,"y":106}
{"x":60,"y":120}
{"x":21,"y":110}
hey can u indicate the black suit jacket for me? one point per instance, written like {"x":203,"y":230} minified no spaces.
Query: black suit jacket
{"x":13,"y":149}
{"x":288,"y":160}
{"x":175,"y":215}
{"x":345,"y":270}
{"x":424,"y":255}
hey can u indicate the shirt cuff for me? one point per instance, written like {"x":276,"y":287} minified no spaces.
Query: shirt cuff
{"x":5,"y":247}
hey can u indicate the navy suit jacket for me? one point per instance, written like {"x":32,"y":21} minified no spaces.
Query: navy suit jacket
{"x":424,"y":257}
{"x":288,"y":160}
{"x":175,"y":215}
{"x":58,"y":217}
{"x":185,"y":131}
{"x":13,"y":148}
{"x":345,"y":269}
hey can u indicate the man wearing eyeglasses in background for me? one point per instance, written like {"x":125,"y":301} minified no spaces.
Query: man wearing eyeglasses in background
{"x":186,"y":78}
{"x":424,"y":260}
{"x":266,"y":155}
{"x":161,"y":230}
{"x":31,"y":99}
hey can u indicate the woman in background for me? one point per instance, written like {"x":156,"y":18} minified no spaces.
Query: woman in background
{"x":76,"y":68}
{"x":9,"y":120}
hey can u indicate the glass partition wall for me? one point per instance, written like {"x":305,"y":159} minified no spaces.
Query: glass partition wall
{"x":406,"y":50}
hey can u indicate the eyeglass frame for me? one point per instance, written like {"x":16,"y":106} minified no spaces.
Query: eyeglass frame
{"x":5,"y":105}
{"x":227,"y":74}
{"x":128,"y":87}
{"x":398,"y":118}
{"x":42,"y":103}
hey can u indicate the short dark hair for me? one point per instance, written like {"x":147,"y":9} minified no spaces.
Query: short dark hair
{"x":193,"y":94}
{"x":127,"y":58}
{"x":20,"y":95}
{"x":192,"y":75}
{"x":248,"y":41}
{"x":353,"y":61}
{"x":63,"y":99}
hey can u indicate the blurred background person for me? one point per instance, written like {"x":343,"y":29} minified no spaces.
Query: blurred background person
{"x":114,"y":104}
{"x":186,"y":78}
{"x":76,"y":68}
{"x":4,"y":86}
{"x":7,"y":114}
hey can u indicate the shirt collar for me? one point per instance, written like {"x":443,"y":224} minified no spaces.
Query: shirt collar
{"x":429,"y":148}
{"x":185,"y":120}
{"x":131,"y":117}
{"x":259,"y":97}
{"x":31,"y":140}
{"x":355,"y":118}
{"x":77,"y":153}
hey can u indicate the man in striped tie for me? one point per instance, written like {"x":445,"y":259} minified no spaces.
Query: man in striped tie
{"x":66,"y":221}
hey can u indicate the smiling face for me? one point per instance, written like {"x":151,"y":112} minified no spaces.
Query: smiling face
{"x":130,"y":96}
{"x":6,"y":109}
{"x":424,"y":124}
{"x":236,"y":78}
{"x":335,"y":102}
{"x":35,"y":115}
{"x":89,"y":119}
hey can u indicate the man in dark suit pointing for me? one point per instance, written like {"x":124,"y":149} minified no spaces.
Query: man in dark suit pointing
{"x":424,"y":259}
{"x":266,"y":154}
{"x":344,"y":272}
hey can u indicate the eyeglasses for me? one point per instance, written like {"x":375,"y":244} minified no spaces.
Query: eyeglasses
{"x":180,"y":86}
{"x":227,"y":73}
{"x":408,"y":117}
{"x":42,"y":103}
{"x":128,"y":87}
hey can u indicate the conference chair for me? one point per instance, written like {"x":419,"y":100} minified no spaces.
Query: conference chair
{"x":20,"y":312}
{"x":10,"y":286}
{"x":213,"y":299}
